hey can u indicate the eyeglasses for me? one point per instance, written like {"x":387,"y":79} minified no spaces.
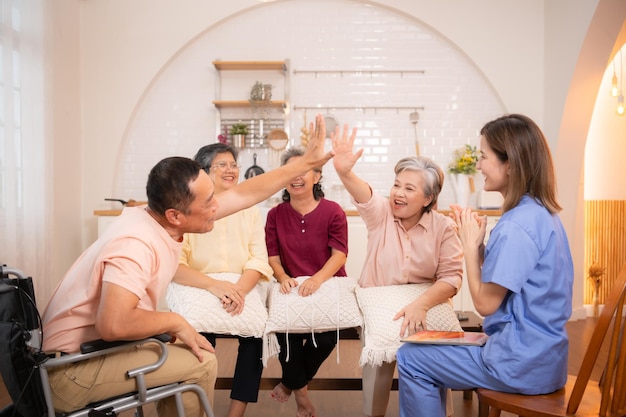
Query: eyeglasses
{"x":223,"y":166}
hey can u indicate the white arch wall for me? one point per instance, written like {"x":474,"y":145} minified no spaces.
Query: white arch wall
{"x":176,"y":117}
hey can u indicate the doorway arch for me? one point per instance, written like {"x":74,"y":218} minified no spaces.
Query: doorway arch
{"x":595,"y":55}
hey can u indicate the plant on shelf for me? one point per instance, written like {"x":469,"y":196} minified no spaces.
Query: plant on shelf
{"x":239,"y":129}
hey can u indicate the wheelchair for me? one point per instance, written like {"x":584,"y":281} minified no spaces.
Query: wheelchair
{"x":24,"y":366}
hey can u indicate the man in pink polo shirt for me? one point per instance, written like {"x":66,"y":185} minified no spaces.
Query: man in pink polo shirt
{"x":111,"y":292}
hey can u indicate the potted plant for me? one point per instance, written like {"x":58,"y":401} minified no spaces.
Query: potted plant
{"x":465,"y":160}
{"x":462,"y":170}
{"x":239,"y":132}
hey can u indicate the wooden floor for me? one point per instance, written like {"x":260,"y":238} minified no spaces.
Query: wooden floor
{"x":348,"y":403}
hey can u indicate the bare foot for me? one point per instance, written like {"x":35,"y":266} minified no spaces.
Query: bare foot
{"x":281,"y":393}
{"x":305,"y":406}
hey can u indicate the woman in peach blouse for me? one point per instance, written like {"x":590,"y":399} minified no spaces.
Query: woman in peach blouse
{"x":408,"y":243}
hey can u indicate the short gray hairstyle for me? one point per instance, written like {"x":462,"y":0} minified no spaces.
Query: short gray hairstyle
{"x":431,"y":173}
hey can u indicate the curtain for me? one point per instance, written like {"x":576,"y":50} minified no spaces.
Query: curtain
{"x":24,"y":183}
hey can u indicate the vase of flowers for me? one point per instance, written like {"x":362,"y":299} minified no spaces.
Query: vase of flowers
{"x":595,"y":276}
{"x":462,"y":170}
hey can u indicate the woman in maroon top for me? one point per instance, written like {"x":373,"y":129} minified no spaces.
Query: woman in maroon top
{"x":306,"y":235}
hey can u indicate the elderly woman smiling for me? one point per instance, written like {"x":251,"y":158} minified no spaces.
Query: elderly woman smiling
{"x":408,"y":243}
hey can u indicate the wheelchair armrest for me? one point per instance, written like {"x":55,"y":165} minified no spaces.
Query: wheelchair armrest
{"x":104,"y":348}
{"x":99,"y":344}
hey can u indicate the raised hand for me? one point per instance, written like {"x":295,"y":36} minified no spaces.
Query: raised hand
{"x":314,"y":153}
{"x":343,"y":144}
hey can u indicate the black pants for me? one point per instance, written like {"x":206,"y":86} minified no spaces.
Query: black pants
{"x":248,"y":368}
{"x":304,"y":358}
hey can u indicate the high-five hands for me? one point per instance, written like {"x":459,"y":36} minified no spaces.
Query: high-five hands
{"x":343,"y":144}
{"x":314,"y":152}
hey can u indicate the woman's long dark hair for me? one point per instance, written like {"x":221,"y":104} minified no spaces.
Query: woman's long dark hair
{"x":517,"y":139}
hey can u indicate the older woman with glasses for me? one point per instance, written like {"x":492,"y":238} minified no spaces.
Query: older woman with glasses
{"x":237,"y":245}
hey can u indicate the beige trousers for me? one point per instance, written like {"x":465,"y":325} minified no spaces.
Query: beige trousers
{"x":74,"y":386}
{"x":377,"y":382}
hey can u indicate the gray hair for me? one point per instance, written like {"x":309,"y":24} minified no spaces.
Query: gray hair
{"x":207,"y":154}
{"x":431,"y":173}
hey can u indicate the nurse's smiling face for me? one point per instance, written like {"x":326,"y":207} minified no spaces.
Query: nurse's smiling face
{"x":495,"y":172}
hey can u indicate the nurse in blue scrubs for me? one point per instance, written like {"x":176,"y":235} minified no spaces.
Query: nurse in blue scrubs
{"x":521,"y":282}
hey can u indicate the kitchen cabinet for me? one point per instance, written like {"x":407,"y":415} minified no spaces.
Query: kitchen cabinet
{"x":235,"y":81}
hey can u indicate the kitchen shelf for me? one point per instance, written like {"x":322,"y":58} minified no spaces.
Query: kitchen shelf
{"x":360,"y":72}
{"x":250,"y":65}
{"x":260,"y":112}
{"x":357,"y":108}
{"x":230,"y":104}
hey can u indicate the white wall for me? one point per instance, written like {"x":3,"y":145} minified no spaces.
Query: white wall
{"x":176,"y":117}
{"x":122,"y":59}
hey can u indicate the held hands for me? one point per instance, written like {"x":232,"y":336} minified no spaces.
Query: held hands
{"x":231,"y":295}
{"x":343,"y":144}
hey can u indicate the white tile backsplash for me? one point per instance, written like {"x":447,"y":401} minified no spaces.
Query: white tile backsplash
{"x":176,"y":116}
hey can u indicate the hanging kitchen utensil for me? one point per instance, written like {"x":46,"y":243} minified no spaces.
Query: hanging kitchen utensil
{"x":129,"y":203}
{"x":414,"y":118}
{"x":304,"y":132}
{"x":277,"y":140}
{"x":331,"y":123}
{"x":254,"y":170}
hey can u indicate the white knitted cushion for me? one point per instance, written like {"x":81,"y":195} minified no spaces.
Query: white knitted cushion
{"x":381,"y":333}
{"x":333,"y":306}
{"x":205,"y":313}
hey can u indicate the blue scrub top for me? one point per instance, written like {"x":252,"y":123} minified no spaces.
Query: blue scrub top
{"x":528,"y":253}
